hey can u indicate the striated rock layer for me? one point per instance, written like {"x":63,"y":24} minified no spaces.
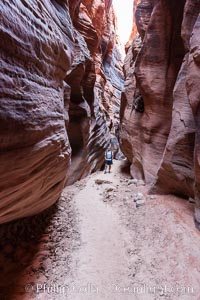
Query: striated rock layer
{"x":55,"y":61}
{"x":192,"y":85}
{"x":159,"y":109}
{"x":96,"y":82}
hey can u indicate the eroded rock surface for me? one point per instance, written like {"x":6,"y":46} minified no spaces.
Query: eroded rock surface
{"x":157,"y":123}
{"x":194,"y":99}
{"x":96,"y":83}
{"x":55,"y":60}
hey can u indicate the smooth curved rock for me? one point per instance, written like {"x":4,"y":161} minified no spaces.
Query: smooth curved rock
{"x":51,"y":61}
{"x":156,"y":68}
{"x":159,"y":131}
{"x":35,"y":40}
{"x":192,"y":84}
{"x":176,"y":174}
{"x":96,"y":82}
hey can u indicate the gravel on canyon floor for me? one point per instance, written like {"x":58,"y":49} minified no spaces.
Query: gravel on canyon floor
{"x":106,"y":238}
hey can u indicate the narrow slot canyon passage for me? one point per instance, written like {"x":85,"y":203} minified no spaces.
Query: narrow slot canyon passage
{"x":96,"y":244}
{"x":99,"y":150}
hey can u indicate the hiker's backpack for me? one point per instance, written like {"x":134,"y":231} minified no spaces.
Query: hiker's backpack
{"x":109,"y":155}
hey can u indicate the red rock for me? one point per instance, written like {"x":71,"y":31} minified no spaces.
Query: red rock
{"x":144,"y":134}
{"x":192,"y":85}
{"x":34,"y":148}
{"x":176,"y":174}
{"x":96,"y":81}
{"x":134,"y":27}
{"x":41,"y":49}
{"x":164,"y":75}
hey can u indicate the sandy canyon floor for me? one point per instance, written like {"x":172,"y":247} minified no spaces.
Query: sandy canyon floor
{"x":95,"y":244}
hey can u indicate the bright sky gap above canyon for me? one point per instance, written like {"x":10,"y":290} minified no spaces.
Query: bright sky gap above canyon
{"x":124,"y":13}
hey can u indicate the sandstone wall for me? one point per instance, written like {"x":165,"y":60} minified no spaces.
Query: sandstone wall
{"x":96,"y":82}
{"x":52,"y":63}
{"x":157,"y":123}
{"x":192,"y":85}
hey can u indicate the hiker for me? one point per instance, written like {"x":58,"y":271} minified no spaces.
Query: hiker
{"x":108,"y":160}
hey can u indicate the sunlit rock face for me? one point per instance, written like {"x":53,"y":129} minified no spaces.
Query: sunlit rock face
{"x":55,"y":61}
{"x":176,"y":173}
{"x":157,"y":123}
{"x":96,"y":81}
{"x":155,"y":72}
{"x":134,"y":27}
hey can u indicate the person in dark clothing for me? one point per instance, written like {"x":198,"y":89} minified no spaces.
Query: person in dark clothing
{"x":108,"y":160}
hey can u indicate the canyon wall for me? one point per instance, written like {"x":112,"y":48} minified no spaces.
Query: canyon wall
{"x":61,"y":72}
{"x":159,"y":110}
{"x":96,"y":85}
